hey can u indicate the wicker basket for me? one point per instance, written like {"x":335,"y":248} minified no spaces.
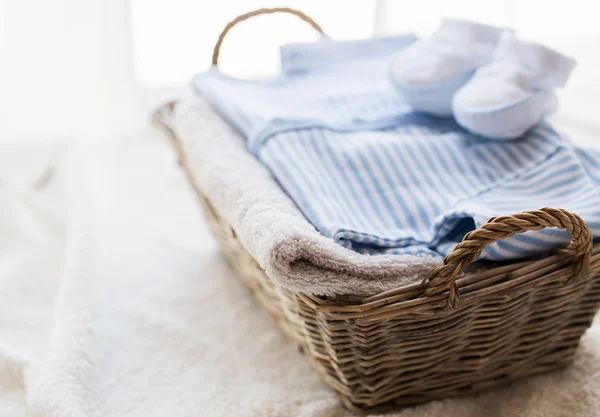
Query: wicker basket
{"x":450,"y":335}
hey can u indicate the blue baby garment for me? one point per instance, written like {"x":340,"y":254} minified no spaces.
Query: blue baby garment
{"x":377,"y":177}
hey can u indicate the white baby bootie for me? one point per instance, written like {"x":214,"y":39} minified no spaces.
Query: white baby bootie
{"x":513,"y":93}
{"x":430,"y":71}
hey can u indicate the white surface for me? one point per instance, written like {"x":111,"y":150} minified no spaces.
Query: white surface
{"x":123,"y":306}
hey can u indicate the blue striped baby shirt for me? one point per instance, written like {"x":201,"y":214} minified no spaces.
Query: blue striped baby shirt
{"x":377,"y":177}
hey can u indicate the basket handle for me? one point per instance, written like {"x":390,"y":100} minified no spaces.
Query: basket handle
{"x":258,"y":12}
{"x":444,"y":277}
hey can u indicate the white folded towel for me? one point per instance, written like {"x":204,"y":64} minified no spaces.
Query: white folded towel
{"x":269,"y":225}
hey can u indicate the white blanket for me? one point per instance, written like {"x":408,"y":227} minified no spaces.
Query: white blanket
{"x":123,"y":306}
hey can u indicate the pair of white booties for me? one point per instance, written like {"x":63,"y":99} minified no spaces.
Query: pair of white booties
{"x":494,"y":84}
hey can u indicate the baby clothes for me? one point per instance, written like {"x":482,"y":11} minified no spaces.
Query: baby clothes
{"x":514,"y":92}
{"x":340,"y":84}
{"x":377,"y":177}
{"x":430,"y":71}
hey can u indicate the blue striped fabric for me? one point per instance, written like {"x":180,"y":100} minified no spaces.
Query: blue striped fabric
{"x":378,"y":178}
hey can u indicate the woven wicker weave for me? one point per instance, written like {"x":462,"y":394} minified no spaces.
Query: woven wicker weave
{"x":449,"y":335}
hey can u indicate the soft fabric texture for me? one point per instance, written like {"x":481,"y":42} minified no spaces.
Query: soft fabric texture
{"x":513,"y":93}
{"x":430,"y":71}
{"x":380,"y":179}
{"x":348,"y":90}
{"x":140,"y":315}
{"x":267,"y":221}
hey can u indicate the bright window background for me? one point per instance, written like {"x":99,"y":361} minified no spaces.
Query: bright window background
{"x":174,"y":39}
